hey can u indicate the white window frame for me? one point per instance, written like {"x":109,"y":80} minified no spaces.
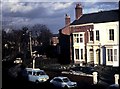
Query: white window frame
{"x":81,"y":37}
{"x":78,"y":54}
{"x":81,"y":54}
{"x":111,"y":36}
{"x":76,"y":37}
{"x":97,"y":35}
{"x":115,"y":55}
{"x":110,"y":55}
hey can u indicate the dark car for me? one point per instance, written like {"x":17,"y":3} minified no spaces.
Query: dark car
{"x":113,"y":86}
{"x":87,"y":70}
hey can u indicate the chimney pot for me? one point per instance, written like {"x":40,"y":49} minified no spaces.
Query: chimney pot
{"x":67,"y":19}
{"x":78,"y":11}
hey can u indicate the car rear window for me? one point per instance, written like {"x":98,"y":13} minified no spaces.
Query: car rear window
{"x":65,"y":79}
{"x":30,"y":72}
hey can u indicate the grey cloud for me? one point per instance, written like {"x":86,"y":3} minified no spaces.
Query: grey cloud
{"x":100,"y":5}
{"x":54,"y":19}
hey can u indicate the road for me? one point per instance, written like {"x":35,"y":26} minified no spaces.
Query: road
{"x":9,"y":82}
{"x":12,"y":83}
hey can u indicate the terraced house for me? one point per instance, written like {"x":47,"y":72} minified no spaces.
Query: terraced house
{"x":92,"y":37}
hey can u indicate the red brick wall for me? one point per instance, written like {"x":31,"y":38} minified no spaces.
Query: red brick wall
{"x":78,"y":11}
{"x":66,"y":30}
{"x":83,"y":29}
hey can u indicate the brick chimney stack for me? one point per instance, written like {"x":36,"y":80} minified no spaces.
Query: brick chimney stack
{"x":67,"y":20}
{"x":78,"y":11}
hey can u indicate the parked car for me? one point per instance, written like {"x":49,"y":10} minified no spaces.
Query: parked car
{"x":18,"y":60}
{"x":113,"y":86}
{"x":36,"y":75}
{"x":87,"y":70}
{"x":63,"y":82}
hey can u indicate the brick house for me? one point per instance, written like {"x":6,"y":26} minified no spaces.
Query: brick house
{"x":84,"y":41}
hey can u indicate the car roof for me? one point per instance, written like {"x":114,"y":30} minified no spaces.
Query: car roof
{"x":35,"y":69}
{"x":60,"y":77}
{"x":114,"y":85}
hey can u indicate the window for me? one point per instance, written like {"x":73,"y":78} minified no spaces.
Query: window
{"x":81,"y":38}
{"x":30,"y":72}
{"x":91,"y":35}
{"x":76,"y":38}
{"x":91,"y":55}
{"x":97,"y":35}
{"x":111,"y":34}
{"x":66,"y":80}
{"x":110,"y":54}
{"x":81,"y":53}
{"x":58,"y":80}
{"x":41,"y":73}
{"x":77,"y":53}
{"x":34,"y":73}
{"x":115,"y":54}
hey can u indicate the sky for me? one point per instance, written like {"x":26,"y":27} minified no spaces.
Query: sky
{"x":19,"y":13}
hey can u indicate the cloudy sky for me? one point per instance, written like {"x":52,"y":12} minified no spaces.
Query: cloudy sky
{"x":29,"y":12}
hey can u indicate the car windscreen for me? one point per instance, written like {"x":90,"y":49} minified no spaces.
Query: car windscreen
{"x":41,"y":73}
{"x":66,"y":80}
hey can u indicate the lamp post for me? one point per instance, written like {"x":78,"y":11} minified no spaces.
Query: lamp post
{"x":34,"y":60}
{"x":34,"y":57}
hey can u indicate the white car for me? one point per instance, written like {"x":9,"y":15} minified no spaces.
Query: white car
{"x":37,"y":75}
{"x":18,"y":60}
{"x":63,"y":82}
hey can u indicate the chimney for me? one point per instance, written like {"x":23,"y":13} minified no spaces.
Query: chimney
{"x":67,"y":20}
{"x":78,"y":11}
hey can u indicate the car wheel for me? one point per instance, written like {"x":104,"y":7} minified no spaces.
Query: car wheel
{"x":36,"y":81}
{"x":51,"y":84}
{"x":65,"y":87}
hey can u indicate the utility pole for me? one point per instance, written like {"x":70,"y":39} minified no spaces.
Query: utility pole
{"x":30,"y":44}
{"x":32,"y":55}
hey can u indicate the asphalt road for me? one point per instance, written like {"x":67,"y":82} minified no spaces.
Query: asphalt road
{"x":9,"y":82}
{"x":12,"y":83}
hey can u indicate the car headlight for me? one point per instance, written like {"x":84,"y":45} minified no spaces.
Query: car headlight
{"x":42,"y":79}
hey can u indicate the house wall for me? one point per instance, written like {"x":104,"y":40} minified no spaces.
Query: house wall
{"x":80,"y":29}
{"x":104,"y":44}
{"x":64,"y":43}
{"x":79,"y":46}
{"x":104,"y":33}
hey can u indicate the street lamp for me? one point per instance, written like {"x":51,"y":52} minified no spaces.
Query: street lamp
{"x":34,"y":61}
{"x":34,"y":57}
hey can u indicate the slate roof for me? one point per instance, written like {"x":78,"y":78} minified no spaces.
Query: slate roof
{"x":98,"y":17}
{"x":55,"y":35}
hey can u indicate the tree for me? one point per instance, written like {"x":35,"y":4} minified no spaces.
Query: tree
{"x":43,"y":35}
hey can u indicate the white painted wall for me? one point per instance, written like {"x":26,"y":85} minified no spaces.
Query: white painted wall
{"x":104,"y":39}
{"x":104,"y":33}
{"x":79,"y":46}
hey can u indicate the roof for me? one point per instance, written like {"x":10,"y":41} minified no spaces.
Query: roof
{"x":55,"y":35}
{"x":60,"y":77}
{"x":98,"y":17}
{"x":31,"y":69}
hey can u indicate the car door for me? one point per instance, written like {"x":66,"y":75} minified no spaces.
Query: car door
{"x":34,"y":76}
{"x":30,"y":74}
{"x":59,"y":82}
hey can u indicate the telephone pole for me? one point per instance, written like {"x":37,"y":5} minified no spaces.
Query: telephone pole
{"x":30,"y":44}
